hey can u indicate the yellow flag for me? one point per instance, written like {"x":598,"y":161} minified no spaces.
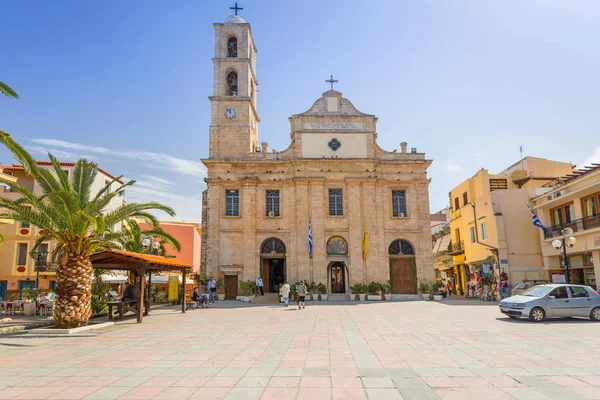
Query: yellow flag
{"x":365,"y":242}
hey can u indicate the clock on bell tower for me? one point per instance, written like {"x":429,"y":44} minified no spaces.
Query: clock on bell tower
{"x":234,"y":128}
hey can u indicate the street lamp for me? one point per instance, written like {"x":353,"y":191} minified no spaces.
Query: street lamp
{"x":151,"y":245}
{"x":565,"y":241}
{"x":40,"y":259}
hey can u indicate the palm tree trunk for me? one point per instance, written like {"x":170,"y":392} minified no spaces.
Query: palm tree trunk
{"x":73,"y":305}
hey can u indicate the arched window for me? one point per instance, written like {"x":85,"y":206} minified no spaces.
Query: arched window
{"x":272,"y":246}
{"x":232,"y":84}
{"x":232,"y":47}
{"x":401,"y":247}
{"x":337,"y":245}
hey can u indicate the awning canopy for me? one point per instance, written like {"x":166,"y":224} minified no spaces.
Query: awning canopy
{"x":128,"y":260}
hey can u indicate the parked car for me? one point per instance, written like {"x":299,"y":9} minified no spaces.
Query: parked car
{"x":553,"y":301}
{"x":526,"y":285}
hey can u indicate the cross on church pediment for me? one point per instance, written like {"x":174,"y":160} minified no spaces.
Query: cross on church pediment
{"x":331,"y":81}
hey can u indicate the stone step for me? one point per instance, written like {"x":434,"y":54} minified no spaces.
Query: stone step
{"x":407,"y":297}
{"x":268,"y":298}
{"x":338,"y":297}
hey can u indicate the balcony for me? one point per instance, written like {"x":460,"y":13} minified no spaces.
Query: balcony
{"x":457,"y":248}
{"x":577,"y":225}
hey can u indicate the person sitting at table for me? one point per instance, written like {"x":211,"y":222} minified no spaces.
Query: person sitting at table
{"x":131,"y":293}
{"x":201,"y":299}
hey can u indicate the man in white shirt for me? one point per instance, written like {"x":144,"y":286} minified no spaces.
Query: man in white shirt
{"x":259,"y":283}
{"x":285,"y":293}
{"x":212,"y":288}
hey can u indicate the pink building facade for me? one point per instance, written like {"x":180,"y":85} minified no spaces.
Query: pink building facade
{"x":188,"y":235}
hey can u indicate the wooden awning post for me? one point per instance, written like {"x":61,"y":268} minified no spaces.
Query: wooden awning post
{"x":183,"y":298}
{"x":142,"y":275}
{"x":149,"y":292}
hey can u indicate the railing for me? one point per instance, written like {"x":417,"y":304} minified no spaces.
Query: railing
{"x":577,"y":225}
{"x":458,"y":247}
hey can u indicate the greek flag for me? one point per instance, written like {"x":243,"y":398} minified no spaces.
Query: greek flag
{"x":309,"y":240}
{"x":535,"y":219}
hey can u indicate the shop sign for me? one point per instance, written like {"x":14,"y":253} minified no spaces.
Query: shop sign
{"x":503,"y":261}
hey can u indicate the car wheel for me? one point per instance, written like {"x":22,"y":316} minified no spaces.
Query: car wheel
{"x":595,"y":314}
{"x":537,"y":314}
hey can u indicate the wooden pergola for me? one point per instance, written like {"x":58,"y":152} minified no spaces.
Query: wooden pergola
{"x":141,"y":264}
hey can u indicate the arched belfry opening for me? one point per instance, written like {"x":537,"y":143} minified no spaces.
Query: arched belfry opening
{"x":232,"y":83}
{"x":232,"y":49}
{"x":403,"y":267}
{"x":273,"y":266}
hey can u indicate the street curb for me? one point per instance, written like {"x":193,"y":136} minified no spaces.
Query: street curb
{"x":19,"y":328}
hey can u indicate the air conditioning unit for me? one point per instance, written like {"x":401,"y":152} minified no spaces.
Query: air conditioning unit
{"x":271,"y":214}
{"x":400,"y":215}
{"x":258,"y":149}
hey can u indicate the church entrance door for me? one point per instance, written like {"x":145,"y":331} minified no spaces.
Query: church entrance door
{"x":403,"y":275}
{"x":231,"y":287}
{"x":337,"y":273}
{"x":273,"y":274}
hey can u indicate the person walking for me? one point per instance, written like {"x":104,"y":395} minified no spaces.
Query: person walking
{"x":449,"y":287}
{"x":212,"y":288}
{"x":285,"y":293}
{"x":302,"y":291}
{"x":259,"y":284}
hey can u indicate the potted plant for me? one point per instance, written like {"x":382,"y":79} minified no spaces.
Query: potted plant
{"x":322,"y":290}
{"x":361,"y":289}
{"x":386,"y":288}
{"x":246,"y":291}
{"x":424,"y":289}
{"x":435,"y":289}
{"x":220,"y":289}
{"x":311,"y":289}
{"x":374,"y":290}
{"x":354,"y":289}
{"x":293,"y":290}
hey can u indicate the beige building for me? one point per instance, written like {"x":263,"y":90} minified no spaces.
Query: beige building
{"x":572,"y":202}
{"x":333,"y":179}
{"x":491,"y":226}
{"x":17,"y":267}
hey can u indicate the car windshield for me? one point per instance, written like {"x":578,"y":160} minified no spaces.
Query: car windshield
{"x":537,"y":291}
{"x":520,"y":286}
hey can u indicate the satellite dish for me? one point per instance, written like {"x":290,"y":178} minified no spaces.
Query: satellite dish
{"x":567,"y":232}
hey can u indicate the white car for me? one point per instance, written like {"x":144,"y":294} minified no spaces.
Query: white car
{"x":553,"y":301}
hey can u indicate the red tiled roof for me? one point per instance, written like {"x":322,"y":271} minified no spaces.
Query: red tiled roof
{"x":19,"y":167}
{"x":151,"y":261}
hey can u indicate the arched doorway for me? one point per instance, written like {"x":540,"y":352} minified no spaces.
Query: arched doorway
{"x":273,"y":271}
{"x":337,"y":270}
{"x":337,"y":277}
{"x":403,"y":267}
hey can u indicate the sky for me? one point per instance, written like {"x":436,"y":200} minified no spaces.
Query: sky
{"x":126,"y":83}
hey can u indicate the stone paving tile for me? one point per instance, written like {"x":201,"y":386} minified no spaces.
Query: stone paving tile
{"x":419,"y":350}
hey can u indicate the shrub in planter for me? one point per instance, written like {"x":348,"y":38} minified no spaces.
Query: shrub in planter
{"x":374,"y":290}
{"x":312,"y":291}
{"x":425,"y":289}
{"x":322,"y":290}
{"x":386,"y":288}
{"x":355,"y":290}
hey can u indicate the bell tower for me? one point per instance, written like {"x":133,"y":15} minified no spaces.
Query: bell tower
{"x":234,"y":119}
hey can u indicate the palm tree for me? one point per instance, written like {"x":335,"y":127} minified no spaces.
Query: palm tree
{"x":73,"y":216}
{"x":8,"y":91}
{"x":131,"y":236}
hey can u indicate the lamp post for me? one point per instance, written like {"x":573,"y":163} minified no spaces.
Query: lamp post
{"x":565,"y":241}
{"x":40,"y":259}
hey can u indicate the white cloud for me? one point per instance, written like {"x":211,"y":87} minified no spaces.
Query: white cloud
{"x":452,"y":167}
{"x":167,"y":188}
{"x":479,"y":153}
{"x":155,"y":160}
{"x":594,"y":157}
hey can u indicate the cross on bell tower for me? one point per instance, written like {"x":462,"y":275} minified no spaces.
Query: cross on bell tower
{"x":331,"y":81}
{"x":236,"y":8}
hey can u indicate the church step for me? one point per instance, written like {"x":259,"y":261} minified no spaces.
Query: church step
{"x":407,"y":297}
{"x":338,"y":297}
{"x":268,"y":298}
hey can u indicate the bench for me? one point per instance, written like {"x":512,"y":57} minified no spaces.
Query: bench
{"x":123,"y":307}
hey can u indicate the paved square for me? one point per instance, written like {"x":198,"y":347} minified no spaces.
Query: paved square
{"x":457,"y":349}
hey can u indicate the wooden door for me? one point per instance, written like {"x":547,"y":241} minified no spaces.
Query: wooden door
{"x":403,"y":276}
{"x":266,"y":275}
{"x":231,"y":286}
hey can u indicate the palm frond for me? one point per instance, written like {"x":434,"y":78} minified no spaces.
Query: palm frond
{"x":8,"y":91}
{"x":60,"y":173}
